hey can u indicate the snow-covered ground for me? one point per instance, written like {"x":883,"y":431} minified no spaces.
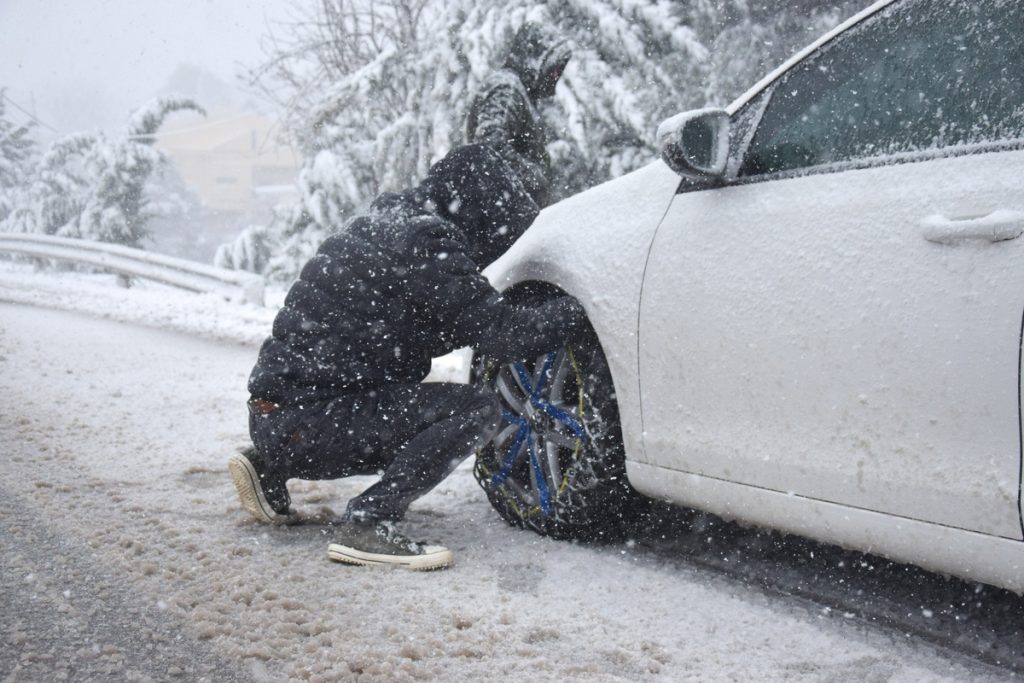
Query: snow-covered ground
{"x":126,"y":557}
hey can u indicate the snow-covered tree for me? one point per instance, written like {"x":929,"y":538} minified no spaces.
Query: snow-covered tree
{"x":276,"y":250}
{"x":117,"y":207}
{"x":376,"y":91}
{"x":55,"y":195}
{"x":93,"y":187}
{"x":17,"y":151}
{"x":250,"y":251}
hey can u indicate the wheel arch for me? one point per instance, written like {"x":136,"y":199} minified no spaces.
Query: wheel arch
{"x":594,"y":246}
{"x":623,"y":372}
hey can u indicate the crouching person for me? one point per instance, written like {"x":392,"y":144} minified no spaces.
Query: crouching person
{"x":336,"y":389}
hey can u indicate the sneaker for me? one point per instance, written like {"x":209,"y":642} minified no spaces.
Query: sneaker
{"x":379,"y":544}
{"x":263,"y":495}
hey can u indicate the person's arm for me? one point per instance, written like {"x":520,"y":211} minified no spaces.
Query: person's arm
{"x":508,"y":333}
{"x":477,"y":315}
{"x":502,"y":119}
{"x":499,"y":116}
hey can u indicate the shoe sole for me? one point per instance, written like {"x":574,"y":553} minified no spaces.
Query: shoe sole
{"x":250,"y":493}
{"x":438,"y":559}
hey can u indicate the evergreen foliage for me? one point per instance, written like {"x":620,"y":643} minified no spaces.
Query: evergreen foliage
{"x":17,"y":154}
{"x":249,"y":251}
{"x":91,"y":187}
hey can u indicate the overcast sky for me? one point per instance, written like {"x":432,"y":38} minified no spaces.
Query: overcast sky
{"x":86,"y":63}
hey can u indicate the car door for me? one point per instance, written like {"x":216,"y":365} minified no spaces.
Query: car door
{"x":842,"y":320}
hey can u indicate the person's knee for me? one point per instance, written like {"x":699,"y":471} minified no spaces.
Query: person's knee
{"x":491,"y":403}
{"x":487,"y":407}
{"x":480,"y":403}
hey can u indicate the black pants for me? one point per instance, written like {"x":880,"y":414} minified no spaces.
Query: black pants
{"x":413,"y":435}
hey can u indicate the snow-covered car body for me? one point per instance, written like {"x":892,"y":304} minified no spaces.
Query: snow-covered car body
{"x":827,"y":341}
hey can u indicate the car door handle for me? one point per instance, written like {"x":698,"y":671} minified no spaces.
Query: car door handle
{"x":997,"y":226}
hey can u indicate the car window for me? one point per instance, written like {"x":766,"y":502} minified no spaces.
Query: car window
{"x":741,"y":129}
{"x":924,"y":74}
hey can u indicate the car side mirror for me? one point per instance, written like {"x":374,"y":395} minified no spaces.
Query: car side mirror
{"x":695,"y":144}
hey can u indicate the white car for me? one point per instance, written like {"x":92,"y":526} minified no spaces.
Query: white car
{"x":813,"y":323}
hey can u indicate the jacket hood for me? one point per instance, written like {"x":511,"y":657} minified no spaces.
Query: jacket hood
{"x":402,"y":207}
{"x":538,"y":55}
{"x":474,"y":188}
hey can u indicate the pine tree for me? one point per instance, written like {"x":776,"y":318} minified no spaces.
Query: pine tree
{"x":117,"y":207}
{"x":91,"y":187}
{"x":59,"y":188}
{"x":17,"y":154}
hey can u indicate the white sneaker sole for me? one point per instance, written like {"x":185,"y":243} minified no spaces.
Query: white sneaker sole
{"x":250,"y":493}
{"x":433,"y":557}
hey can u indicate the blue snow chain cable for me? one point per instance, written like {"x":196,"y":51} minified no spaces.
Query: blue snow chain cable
{"x":542,"y":484}
{"x":526,"y":431}
{"x":510,"y":457}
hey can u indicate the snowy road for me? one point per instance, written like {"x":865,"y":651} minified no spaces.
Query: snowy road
{"x":125,"y":556}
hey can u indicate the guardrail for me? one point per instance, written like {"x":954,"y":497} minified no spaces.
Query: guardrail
{"x":197,"y":277}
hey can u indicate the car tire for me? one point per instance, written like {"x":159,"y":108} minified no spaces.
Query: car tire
{"x":556,"y":465}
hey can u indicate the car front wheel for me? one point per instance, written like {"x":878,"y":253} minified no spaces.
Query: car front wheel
{"x":556,"y":464}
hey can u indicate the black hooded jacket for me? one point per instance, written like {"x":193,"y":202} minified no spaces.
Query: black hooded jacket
{"x":504,"y":114}
{"x":402,"y":284}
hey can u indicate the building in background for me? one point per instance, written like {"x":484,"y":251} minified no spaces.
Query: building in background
{"x":237,"y":166}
